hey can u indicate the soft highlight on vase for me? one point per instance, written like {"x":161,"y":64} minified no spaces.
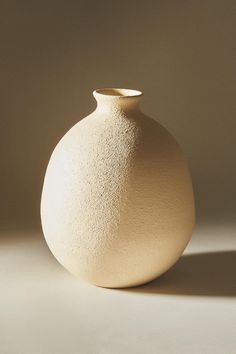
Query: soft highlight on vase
{"x":117,"y":204}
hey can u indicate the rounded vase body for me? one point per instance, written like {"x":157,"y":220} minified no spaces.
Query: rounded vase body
{"x":117,"y":205}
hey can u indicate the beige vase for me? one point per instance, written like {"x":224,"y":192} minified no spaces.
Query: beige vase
{"x":117,"y":204}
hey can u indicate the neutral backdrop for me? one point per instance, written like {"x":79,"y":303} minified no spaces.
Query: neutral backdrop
{"x":181,"y":54}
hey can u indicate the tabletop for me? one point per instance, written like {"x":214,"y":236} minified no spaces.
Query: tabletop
{"x":190,"y":309}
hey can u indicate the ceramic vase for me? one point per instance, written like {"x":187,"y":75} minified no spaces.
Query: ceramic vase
{"x":117,"y":204}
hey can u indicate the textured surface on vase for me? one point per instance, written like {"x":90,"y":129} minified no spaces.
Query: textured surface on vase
{"x":117,"y":204}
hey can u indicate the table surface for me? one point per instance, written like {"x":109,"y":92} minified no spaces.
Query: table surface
{"x":191,"y":309}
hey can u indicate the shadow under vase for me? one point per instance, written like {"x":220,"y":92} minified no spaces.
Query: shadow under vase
{"x":203,"y":274}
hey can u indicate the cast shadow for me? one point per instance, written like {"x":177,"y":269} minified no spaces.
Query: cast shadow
{"x":205,"y":274}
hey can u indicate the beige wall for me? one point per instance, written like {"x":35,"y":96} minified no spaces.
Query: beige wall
{"x":54,"y":53}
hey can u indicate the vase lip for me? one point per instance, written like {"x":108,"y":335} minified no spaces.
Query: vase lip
{"x":114,"y":93}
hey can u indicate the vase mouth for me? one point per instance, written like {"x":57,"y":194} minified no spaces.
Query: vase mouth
{"x":117,"y":93}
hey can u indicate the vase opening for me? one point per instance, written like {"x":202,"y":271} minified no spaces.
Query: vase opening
{"x":118,"y":92}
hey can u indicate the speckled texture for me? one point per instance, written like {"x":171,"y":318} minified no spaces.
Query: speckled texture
{"x":117,"y":203}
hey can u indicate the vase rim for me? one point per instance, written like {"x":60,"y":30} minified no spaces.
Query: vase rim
{"x":117,"y":93}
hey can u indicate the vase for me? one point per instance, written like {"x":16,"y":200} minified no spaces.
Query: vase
{"x":117,"y":204}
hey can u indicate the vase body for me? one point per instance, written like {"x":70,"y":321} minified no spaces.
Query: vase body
{"x":117,"y":204}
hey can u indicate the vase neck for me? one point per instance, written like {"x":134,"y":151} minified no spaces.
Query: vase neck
{"x":113,"y":99}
